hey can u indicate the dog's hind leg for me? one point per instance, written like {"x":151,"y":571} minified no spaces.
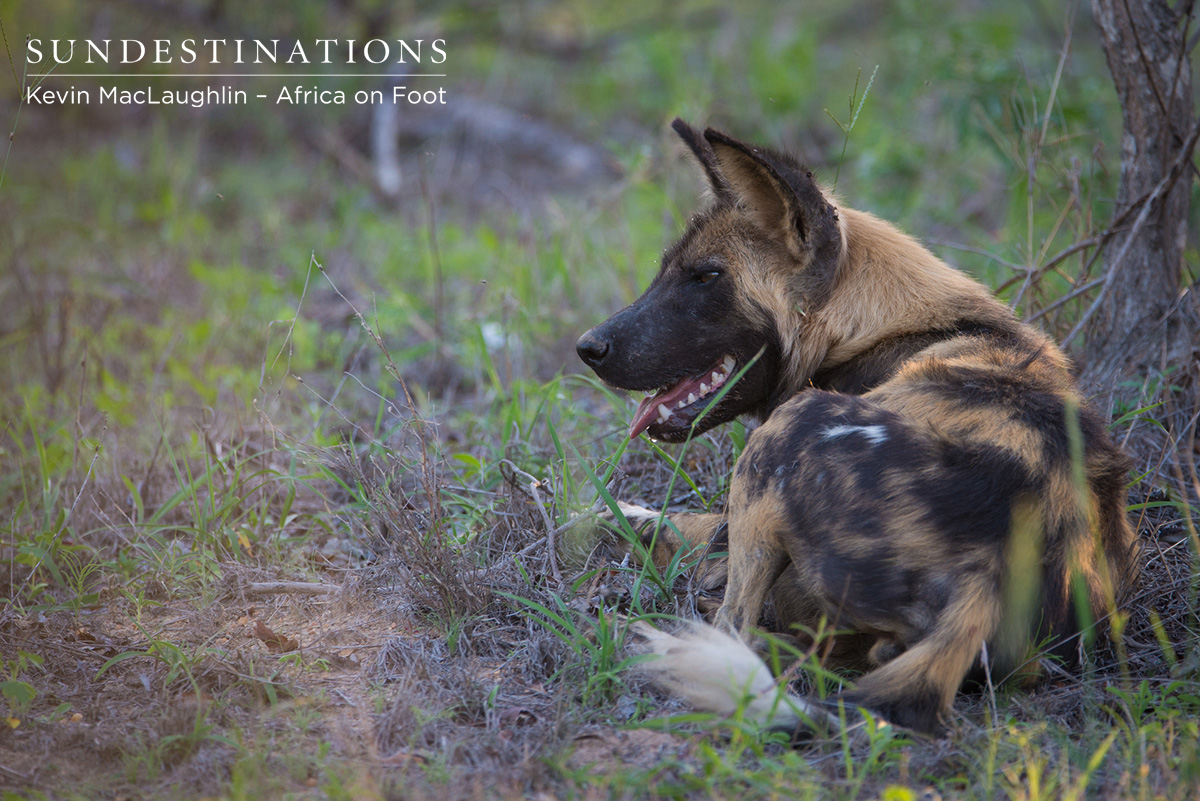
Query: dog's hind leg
{"x":916,"y":688}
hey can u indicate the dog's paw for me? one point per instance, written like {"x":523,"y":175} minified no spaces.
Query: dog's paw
{"x":642,"y":520}
{"x":592,"y":533}
{"x":712,"y":574}
{"x":638,"y":516}
{"x":655,"y":532}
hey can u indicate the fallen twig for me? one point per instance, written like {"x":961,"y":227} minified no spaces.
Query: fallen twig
{"x":293,"y":587}
{"x":552,"y":531}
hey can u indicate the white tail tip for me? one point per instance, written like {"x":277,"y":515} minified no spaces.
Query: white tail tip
{"x":716,"y":672}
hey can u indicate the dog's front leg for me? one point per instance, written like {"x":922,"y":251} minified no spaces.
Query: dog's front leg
{"x":667,"y":535}
{"x":756,"y":560}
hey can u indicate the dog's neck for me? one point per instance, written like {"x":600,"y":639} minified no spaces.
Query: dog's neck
{"x":924,"y":293}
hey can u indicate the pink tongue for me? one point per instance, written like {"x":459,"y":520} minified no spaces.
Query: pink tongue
{"x":647,"y":413}
{"x":647,"y":410}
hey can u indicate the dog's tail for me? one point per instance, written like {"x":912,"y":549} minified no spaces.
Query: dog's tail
{"x":716,"y":672}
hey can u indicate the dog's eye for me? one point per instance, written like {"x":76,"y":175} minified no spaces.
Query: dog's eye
{"x":706,"y":276}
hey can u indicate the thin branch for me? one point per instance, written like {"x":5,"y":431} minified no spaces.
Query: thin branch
{"x":979,"y":251}
{"x":1164,"y":186}
{"x":1162,"y":105}
{"x":1067,"y":298}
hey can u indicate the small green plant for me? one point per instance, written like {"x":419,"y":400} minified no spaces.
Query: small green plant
{"x":147,"y":760}
{"x":848,"y":127}
{"x":18,"y":694}
{"x":180,"y":663}
{"x":298,"y":661}
{"x":597,"y":642}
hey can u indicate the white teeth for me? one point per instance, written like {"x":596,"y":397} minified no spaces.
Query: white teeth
{"x":719,"y":377}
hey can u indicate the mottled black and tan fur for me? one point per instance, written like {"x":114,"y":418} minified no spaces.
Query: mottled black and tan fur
{"x":926,"y":473}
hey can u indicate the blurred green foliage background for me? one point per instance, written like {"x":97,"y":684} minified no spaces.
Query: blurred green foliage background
{"x":178,"y":233}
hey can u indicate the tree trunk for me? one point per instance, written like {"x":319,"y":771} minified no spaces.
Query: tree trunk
{"x":1145,"y":320}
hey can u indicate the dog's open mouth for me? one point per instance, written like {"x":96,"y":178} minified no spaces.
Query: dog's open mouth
{"x":676,"y":407}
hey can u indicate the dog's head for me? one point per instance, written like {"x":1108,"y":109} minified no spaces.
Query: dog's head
{"x":731,"y":298}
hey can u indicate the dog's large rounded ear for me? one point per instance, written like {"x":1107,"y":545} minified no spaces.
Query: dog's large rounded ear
{"x":778,"y":195}
{"x":703,"y":152}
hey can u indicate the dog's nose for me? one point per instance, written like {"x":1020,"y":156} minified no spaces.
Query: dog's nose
{"x":591,"y":349}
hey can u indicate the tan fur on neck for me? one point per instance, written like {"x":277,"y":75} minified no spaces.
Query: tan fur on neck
{"x":923,"y":291}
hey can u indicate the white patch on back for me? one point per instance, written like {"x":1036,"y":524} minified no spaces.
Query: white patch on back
{"x":876,"y":434}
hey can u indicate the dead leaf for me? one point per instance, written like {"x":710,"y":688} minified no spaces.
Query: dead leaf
{"x":82,"y":634}
{"x":276,"y":643}
{"x":517,"y":716}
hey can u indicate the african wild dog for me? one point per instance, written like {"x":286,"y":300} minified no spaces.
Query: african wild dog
{"x":926,"y":473}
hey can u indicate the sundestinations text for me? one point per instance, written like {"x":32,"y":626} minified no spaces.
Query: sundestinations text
{"x":236,"y":51}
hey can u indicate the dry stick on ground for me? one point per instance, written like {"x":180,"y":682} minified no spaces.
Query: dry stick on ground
{"x":12,"y":774}
{"x":531,"y":487}
{"x":292,"y":587}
